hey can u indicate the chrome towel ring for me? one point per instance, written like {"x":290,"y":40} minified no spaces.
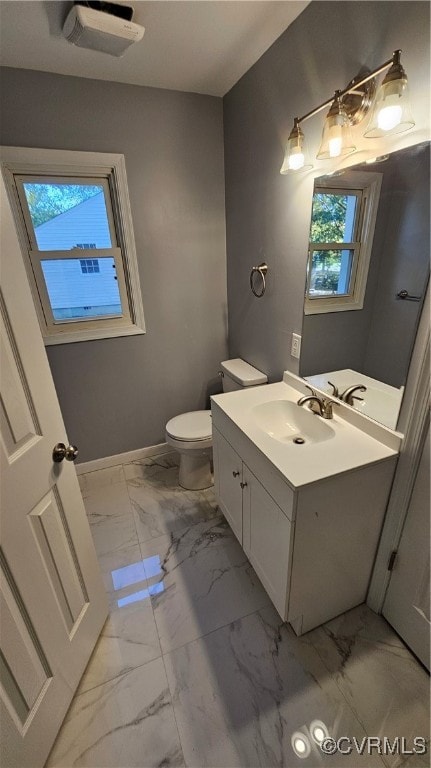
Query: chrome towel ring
{"x":262,"y":269}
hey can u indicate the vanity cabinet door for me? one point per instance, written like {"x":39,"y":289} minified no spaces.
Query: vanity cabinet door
{"x":228,"y":479}
{"x":266,"y":540}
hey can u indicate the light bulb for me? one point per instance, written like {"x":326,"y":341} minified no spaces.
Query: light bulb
{"x":389,"y":117}
{"x":335,"y":146}
{"x":335,"y":140}
{"x":296,"y":159}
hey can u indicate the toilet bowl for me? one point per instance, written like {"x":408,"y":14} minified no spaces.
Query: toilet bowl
{"x":191,"y":433}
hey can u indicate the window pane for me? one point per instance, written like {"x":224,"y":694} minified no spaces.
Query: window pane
{"x":330,"y":273}
{"x":82,"y":288}
{"x":333,"y":218}
{"x":66,"y":216}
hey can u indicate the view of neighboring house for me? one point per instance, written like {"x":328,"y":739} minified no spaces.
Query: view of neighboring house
{"x":80,"y":287}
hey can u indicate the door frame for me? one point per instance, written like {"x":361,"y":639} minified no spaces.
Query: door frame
{"x":413,"y":423}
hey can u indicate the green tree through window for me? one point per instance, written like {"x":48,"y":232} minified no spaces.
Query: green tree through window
{"x":46,"y":201}
{"x":328,"y":218}
{"x":328,"y":222}
{"x":332,"y":241}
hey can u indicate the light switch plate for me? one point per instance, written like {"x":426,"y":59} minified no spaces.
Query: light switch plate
{"x":295,"y":349}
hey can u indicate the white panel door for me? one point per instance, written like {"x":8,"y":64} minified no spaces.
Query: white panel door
{"x":52,"y":601}
{"x":407,"y":602}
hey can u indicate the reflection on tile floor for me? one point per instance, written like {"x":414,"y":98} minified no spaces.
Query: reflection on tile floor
{"x":194,"y":667}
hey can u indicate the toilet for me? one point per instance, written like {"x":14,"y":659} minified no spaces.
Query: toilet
{"x":191,"y":433}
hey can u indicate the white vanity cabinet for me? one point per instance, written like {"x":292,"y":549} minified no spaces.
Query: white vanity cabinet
{"x":260,"y":525}
{"x":312,"y":546}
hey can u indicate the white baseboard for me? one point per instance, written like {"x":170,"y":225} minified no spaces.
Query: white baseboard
{"x":122,"y":458}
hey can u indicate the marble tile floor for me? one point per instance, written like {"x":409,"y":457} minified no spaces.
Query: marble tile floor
{"x":194,"y":666}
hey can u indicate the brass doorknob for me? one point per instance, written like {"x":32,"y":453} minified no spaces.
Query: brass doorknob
{"x":60,"y":452}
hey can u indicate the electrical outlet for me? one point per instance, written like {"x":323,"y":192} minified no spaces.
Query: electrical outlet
{"x":295,"y":349}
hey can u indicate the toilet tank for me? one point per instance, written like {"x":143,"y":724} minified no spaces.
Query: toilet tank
{"x":237,"y":374}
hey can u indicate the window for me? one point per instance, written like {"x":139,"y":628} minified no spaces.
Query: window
{"x":73,"y":218}
{"x":341,"y":232}
{"x":89,"y":266}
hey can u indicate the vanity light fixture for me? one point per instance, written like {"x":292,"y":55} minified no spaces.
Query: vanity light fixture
{"x":390,"y":114}
{"x":336,"y":136}
{"x":296,"y":152}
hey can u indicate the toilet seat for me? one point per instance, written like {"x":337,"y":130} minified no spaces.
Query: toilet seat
{"x":191,"y":427}
{"x":191,"y":435}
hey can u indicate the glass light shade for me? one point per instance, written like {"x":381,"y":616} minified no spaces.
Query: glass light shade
{"x":336,"y":137}
{"x":295,"y":157}
{"x":391,"y":112}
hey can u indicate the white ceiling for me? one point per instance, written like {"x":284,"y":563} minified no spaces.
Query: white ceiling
{"x":189,"y":45}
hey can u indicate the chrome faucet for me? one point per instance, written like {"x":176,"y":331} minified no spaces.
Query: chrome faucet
{"x":323,"y":405}
{"x":348,"y":397}
{"x":312,"y":403}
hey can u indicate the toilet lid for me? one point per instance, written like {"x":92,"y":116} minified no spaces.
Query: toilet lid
{"x":195,"y":425}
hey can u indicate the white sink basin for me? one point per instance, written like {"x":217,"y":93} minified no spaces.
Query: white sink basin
{"x":271,"y":419}
{"x":288,"y":422}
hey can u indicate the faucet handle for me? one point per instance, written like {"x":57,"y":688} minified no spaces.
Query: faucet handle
{"x":334,"y":389}
{"x":313,"y":391}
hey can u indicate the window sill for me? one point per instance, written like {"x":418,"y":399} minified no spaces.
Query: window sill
{"x":69,"y":337}
{"x":319,"y":307}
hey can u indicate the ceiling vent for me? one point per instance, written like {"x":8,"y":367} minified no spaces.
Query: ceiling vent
{"x":99,"y":31}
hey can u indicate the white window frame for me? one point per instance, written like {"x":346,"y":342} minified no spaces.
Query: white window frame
{"x":18,"y":161}
{"x":368,"y":184}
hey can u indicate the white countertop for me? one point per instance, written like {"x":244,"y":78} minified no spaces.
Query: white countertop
{"x":349,"y":448}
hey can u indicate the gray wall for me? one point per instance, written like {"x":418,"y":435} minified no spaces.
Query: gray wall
{"x":117,"y":394}
{"x":267,"y":215}
{"x":378,"y":339}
